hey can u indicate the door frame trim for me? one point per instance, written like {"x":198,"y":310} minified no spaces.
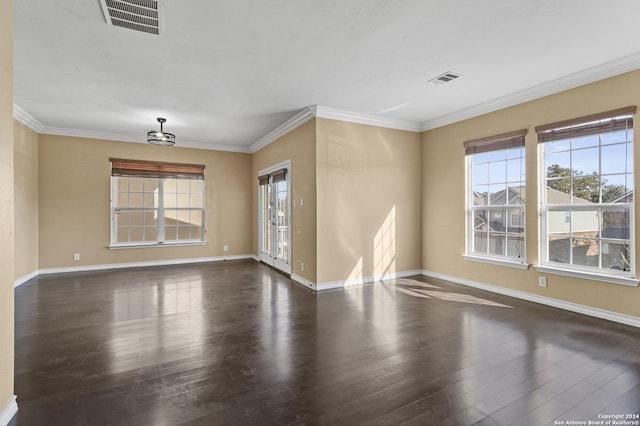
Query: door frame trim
{"x":288,"y":268}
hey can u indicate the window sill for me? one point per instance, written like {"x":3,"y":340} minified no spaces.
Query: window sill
{"x":151,"y":245}
{"x":613,"y":279}
{"x":495,"y":261}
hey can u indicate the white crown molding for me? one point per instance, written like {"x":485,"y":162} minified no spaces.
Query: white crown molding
{"x":291,"y":124}
{"x":208,"y":146}
{"x":320,"y":111}
{"x":27,"y":119}
{"x":561,"y":304}
{"x":371,"y":120}
{"x":590,"y":75}
{"x":8,"y":411}
{"x":31,"y":122}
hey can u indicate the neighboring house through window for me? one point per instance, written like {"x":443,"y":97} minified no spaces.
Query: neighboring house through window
{"x":496,"y":197}
{"x":156,"y":203}
{"x":587,"y":186}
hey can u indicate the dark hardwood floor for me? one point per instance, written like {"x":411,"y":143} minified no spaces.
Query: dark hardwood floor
{"x":237,"y":343}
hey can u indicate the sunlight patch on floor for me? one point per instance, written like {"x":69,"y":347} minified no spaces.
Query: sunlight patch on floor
{"x":407,"y":286}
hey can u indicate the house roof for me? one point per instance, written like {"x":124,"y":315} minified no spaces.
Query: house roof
{"x":558,"y":197}
{"x":626,"y":198}
{"x":517,"y":195}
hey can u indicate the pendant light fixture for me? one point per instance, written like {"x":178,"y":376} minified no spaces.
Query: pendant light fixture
{"x":161,"y":137}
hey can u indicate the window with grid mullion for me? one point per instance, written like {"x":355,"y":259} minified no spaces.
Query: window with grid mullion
{"x":156,"y":210}
{"x":497,"y":195}
{"x":587,"y":203}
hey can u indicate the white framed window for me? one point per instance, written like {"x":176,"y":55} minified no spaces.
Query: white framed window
{"x":155,"y":203}
{"x":496,"y":197}
{"x":587,"y":191}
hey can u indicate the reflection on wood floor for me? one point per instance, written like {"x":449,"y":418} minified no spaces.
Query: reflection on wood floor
{"x":237,"y":343}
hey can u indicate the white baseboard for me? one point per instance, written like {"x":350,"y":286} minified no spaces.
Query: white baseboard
{"x":561,"y":304}
{"x":365,"y":280}
{"x":142,"y":264}
{"x":86,"y":268}
{"x":26,"y":278}
{"x":305,"y":282}
{"x":8,"y":411}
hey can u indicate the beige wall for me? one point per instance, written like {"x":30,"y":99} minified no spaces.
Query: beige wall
{"x":443,"y":207}
{"x":74,"y":185}
{"x":6,"y":202}
{"x":355,"y":223}
{"x":299,"y":147}
{"x":26,"y":199}
{"x":368,"y":197}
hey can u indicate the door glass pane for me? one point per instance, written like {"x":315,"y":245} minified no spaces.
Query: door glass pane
{"x":281,"y":221}
{"x":273,"y":217}
{"x":265,"y":218}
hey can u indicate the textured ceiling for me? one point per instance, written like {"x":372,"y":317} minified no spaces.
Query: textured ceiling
{"x":226,"y":73}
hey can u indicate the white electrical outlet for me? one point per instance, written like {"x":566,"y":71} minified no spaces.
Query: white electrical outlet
{"x":301,"y":202}
{"x":76,"y":256}
{"x":302,"y":266}
{"x":542,"y":281}
{"x":225,"y":248}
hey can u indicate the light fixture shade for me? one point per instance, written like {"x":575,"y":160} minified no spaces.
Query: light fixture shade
{"x":161,"y":137}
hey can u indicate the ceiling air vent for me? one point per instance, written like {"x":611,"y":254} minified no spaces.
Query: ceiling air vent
{"x":138,"y":15}
{"x":444,"y":78}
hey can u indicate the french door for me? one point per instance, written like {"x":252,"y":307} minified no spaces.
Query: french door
{"x":275,"y":217}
